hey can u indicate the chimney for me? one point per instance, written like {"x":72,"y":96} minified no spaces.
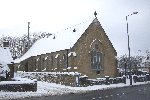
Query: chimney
{"x":5,"y":44}
{"x":147,"y":57}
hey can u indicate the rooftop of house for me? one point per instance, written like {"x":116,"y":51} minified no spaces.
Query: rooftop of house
{"x":5,"y":55}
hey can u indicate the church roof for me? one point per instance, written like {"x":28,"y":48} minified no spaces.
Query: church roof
{"x":63,"y":40}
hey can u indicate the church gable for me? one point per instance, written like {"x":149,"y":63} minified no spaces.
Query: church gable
{"x":94,"y":50}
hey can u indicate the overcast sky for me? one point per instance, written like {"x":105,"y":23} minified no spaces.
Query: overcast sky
{"x":55,"y":15}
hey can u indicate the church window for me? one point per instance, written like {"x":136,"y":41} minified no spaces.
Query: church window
{"x":92,"y":59}
{"x":43,"y":64}
{"x":26,"y":67}
{"x":17,"y":68}
{"x":96,"y":46}
{"x":64,"y":65}
{"x":52,"y":62}
{"x":35,"y":64}
{"x":47,"y":63}
{"x":96,"y":60}
{"x":97,"y":56}
{"x":101,"y":60}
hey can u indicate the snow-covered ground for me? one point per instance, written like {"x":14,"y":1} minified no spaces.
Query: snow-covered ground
{"x":50,"y":89}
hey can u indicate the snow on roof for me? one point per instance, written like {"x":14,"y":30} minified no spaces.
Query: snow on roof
{"x":5,"y":55}
{"x":57,"y":55}
{"x":63,"y":40}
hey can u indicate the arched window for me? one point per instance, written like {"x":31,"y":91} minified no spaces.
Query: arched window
{"x":43,"y":64}
{"x":64,"y":65}
{"x":101,"y":63}
{"x":98,"y":60}
{"x":35,"y":64}
{"x":16,"y":68}
{"x":92,"y":59}
{"x":26,"y":67}
{"x":52,"y":62}
{"x":47,"y":63}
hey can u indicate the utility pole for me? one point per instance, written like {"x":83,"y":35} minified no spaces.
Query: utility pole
{"x":28,"y":36}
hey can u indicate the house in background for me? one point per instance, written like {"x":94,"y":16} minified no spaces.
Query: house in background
{"x":145,"y":66}
{"x":83,"y":48}
{"x":6,"y":62}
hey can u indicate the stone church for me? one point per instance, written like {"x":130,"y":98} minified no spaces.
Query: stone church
{"x":84,"y":48}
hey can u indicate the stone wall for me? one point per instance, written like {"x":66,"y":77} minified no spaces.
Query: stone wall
{"x":84,"y":81}
{"x":18,"y":87}
{"x":63,"y":78}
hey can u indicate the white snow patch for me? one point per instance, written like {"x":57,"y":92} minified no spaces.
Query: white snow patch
{"x":57,"y":55}
{"x":74,"y":54}
{"x":18,"y":66}
{"x":83,"y":76}
{"x":69,"y":68}
{"x":55,"y":68}
{"x":50,"y":89}
{"x":5,"y":55}
{"x":44,"y":69}
{"x":46,"y":57}
{"x":37,"y":59}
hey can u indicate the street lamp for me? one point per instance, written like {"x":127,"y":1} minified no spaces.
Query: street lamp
{"x":129,"y":47}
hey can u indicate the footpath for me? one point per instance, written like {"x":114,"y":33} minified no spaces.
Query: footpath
{"x":51,"y":89}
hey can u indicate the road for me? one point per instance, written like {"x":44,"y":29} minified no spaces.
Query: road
{"x":141,"y":92}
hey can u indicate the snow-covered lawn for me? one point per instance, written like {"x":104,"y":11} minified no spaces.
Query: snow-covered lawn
{"x":49,"y":89}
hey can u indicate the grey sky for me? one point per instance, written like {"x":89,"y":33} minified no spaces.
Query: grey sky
{"x":53,"y":16}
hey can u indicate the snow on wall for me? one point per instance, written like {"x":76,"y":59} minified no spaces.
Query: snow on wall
{"x":19,"y":80}
{"x":46,"y":57}
{"x":63,"y":40}
{"x":57,"y":55}
{"x":44,"y":69}
{"x":37,"y":59}
{"x":18,"y":66}
{"x":74,"y":54}
{"x":69,"y":68}
{"x":23,"y":74}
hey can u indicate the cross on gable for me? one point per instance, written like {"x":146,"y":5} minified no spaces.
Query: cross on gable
{"x":95,"y":13}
